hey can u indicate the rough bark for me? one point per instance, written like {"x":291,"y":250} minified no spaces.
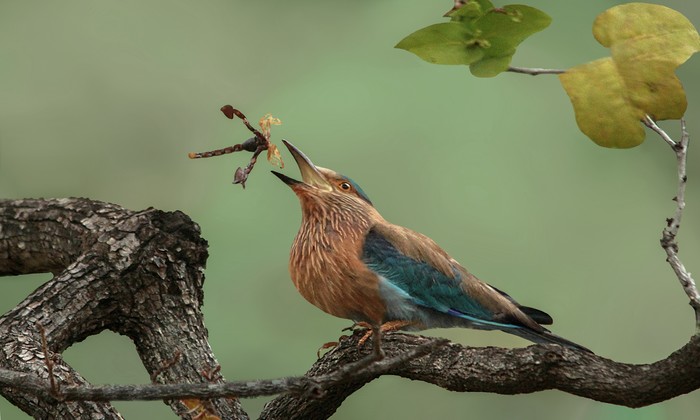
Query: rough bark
{"x":502,"y":371}
{"x":139,"y":274}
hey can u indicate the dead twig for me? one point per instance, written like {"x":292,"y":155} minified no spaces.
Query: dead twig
{"x":256,"y":144}
{"x":673,"y":224}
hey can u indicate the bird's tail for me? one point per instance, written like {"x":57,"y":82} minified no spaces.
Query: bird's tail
{"x":546,"y":337}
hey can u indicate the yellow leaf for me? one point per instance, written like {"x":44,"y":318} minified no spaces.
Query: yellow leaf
{"x":274,"y":156}
{"x":612,"y":95}
{"x":266,"y":121}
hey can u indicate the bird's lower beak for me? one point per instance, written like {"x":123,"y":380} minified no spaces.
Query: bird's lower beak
{"x":287,"y":180}
{"x":309,"y":173}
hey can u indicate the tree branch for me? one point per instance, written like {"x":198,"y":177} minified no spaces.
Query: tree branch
{"x":335,"y":376}
{"x":139,"y":274}
{"x":505,"y":371}
{"x":306,"y":386}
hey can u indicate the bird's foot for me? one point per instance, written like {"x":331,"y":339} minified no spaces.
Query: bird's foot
{"x":328,"y":345}
{"x":375,"y":331}
{"x":386,"y":327}
{"x":331,"y":344}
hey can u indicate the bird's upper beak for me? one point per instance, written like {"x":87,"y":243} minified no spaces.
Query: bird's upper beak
{"x":310,"y":174}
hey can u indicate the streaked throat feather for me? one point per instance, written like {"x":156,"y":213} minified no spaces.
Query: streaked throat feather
{"x":325,"y":263}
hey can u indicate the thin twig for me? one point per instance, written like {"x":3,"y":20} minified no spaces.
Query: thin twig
{"x":673,"y":224}
{"x":649,"y":122}
{"x":256,"y":145}
{"x":534,"y":71}
{"x":303,"y":385}
{"x":377,"y":342}
{"x":49,"y":362}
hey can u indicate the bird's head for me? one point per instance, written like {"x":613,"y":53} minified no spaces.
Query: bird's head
{"x":321,"y":184}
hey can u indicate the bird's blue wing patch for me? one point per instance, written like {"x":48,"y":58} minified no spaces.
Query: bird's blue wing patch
{"x":419,"y":283}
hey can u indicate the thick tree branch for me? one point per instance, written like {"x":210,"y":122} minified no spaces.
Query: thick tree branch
{"x":506,"y":371}
{"x":335,"y":376}
{"x":139,"y":274}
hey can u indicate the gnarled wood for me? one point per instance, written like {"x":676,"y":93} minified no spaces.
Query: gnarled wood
{"x":139,"y":274}
{"x":502,"y":371}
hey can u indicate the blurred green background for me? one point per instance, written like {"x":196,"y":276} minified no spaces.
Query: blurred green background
{"x":104,"y":99}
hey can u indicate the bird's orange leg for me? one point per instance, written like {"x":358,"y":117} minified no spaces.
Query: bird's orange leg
{"x":386,"y":327}
{"x":333,"y":344}
{"x":371,"y":330}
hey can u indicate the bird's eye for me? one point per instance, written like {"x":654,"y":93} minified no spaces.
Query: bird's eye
{"x":345,"y":185}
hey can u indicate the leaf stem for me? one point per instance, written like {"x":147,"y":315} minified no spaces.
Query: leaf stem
{"x":534,"y":71}
{"x":649,"y":122}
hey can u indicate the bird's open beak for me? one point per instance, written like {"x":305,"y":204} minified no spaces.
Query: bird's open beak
{"x":309,"y":173}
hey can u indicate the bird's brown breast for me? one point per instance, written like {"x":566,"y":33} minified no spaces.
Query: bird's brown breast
{"x":326,"y":268}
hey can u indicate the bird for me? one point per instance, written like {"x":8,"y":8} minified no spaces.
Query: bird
{"x":350,"y":262}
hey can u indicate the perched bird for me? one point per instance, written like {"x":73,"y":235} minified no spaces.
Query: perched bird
{"x":350,"y":262}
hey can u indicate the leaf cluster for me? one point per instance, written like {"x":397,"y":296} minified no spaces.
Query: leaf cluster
{"x":479,"y":35}
{"x":611,"y":95}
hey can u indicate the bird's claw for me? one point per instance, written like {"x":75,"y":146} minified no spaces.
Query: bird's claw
{"x":330,"y":345}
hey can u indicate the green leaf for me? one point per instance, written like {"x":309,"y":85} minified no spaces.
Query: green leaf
{"x":444,"y":43}
{"x":471,"y":10}
{"x":479,"y":35}
{"x":612,"y":95}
